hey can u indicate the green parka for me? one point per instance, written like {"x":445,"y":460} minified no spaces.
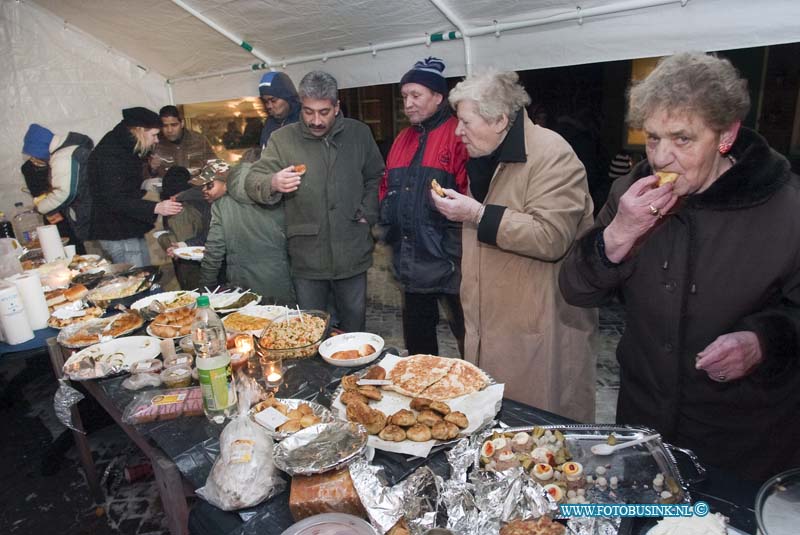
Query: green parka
{"x":340,"y":186}
{"x":250,"y":238}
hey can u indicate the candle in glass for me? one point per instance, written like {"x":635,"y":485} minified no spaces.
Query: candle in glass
{"x":272,"y":368}
{"x":243,"y":351}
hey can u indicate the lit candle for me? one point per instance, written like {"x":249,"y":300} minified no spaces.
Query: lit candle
{"x":244,"y":344}
{"x":274,"y":377}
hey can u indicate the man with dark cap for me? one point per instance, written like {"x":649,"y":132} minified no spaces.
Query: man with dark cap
{"x":120,"y":216}
{"x":280,"y":100}
{"x":55,"y":174}
{"x":178,"y":146}
{"x":426,"y":247}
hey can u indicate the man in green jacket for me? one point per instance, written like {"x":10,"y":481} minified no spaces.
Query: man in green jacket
{"x":325,"y":169}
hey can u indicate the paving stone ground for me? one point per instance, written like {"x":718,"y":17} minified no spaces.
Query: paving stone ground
{"x":43,"y":486}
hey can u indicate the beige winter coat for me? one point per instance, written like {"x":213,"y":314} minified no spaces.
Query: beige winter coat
{"x":518,"y":327}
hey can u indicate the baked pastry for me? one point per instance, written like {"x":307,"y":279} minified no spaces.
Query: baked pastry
{"x":294,"y":414}
{"x":462,"y":378}
{"x":358,"y":412}
{"x":429,"y":418}
{"x":418,"y":433}
{"x":392,"y":433}
{"x":375,"y":422}
{"x":441,"y":408}
{"x":420,"y":404}
{"x":403,"y":417}
{"x":309,"y":419}
{"x":350,"y":396}
{"x":412,"y":375}
{"x":366,"y":350}
{"x":458,"y":418}
{"x":305,"y":408}
{"x":376,"y":373}
{"x":437,"y":188}
{"x":350,"y":382}
{"x":370,"y":392}
{"x":290,"y":426}
{"x":348,"y":354}
{"x":444,"y":431}
{"x":665,"y":177}
{"x":300,"y":168}
{"x":540,"y":526}
{"x":173,"y":323}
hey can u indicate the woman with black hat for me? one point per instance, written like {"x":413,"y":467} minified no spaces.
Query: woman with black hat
{"x":120,"y":215}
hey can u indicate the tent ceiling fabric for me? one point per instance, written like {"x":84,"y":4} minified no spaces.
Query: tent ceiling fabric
{"x":164,"y":38}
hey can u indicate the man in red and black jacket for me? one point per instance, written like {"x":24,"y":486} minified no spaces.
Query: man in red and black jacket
{"x":426,"y":246}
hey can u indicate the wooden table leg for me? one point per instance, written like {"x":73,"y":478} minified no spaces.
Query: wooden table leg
{"x":81,"y":441}
{"x":173,"y":499}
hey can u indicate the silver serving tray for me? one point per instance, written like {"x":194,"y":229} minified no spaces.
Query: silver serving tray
{"x":321,"y":448}
{"x":635,"y":466}
{"x":96,"y":325}
{"x":361,"y":373}
{"x":323,"y":412}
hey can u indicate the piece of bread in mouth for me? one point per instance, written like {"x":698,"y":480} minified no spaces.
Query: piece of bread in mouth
{"x":437,"y":188}
{"x":665,"y":177}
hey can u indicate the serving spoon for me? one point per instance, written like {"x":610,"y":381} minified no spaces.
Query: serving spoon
{"x":608,"y":449}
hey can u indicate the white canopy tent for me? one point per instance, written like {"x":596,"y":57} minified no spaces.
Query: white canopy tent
{"x":74,"y":64}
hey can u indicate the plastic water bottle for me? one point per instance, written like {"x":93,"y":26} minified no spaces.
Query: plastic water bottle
{"x":6,"y":230}
{"x":25,"y":222}
{"x":213,"y":363}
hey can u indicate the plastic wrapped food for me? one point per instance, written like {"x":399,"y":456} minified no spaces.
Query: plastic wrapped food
{"x":243,"y":474}
{"x":166,"y":404}
{"x":177,"y":376}
{"x":138,"y":381}
{"x":330,"y":492}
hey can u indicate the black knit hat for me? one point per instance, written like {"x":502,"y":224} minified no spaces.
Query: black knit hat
{"x":140,"y":117}
{"x":428,"y":72}
{"x":175,"y":181}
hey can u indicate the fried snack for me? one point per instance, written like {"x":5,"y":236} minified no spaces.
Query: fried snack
{"x":437,"y":188}
{"x":242,"y":322}
{"x":358,"y":412}
{"x":665,"y":177}
{"x":392,"y":433}
{"x":350,"y":382}
{"x":365,"y":350}
{"x":305,"y":408}
{"x":418,"y":433}
{"x":309,"y":419}
{"x":88,"y":313}
{"x":349,"y":354}
{"x":429,"y":418}
{"x":376,"y":422}
{"x":458,"y":418}
{"x":401,"y":528}
{"x":294,"y":414}
{"x":267,"y":403}
{"x":173,"y":323}
{"x":300,"y":168}
{"x":290,"y":426}
{"x":403,"y":417}
{"x":350,"y":396}
{"x":444,"y":431}
{"x":370,"y":392}
{"x":420,"y":404}
{"x":376,"y":372}
{"x":441,"y":408}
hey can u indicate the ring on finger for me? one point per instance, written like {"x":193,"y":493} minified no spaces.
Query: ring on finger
{"x":654,"y":211}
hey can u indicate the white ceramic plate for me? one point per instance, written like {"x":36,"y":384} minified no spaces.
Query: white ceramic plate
{"x":270,"y":312}
{"x":166,"y":298}
{"x":114,"y":356}
{"x":190,"y":253}
{"x":344,"y":342}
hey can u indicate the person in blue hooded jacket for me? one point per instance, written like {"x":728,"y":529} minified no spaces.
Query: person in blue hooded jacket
{"x":279,"y":96}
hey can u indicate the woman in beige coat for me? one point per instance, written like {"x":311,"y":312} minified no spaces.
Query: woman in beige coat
{"x":528,"y":202}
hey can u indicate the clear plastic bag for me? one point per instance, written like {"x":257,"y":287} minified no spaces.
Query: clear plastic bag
{"x":243,"y":474}
{"x":63,"y":401}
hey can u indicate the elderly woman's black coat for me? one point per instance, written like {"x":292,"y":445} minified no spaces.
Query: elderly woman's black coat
{"x":115,"y":182}
{"x":727,"y":260}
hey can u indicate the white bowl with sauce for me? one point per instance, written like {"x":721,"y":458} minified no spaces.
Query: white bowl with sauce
{"x":350,"y":341}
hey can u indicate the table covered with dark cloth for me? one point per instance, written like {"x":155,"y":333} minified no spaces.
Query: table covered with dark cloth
{"x":193,"y":443}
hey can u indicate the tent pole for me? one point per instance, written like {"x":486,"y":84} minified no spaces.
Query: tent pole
{"x":576,"y":15}
{"x":455,"y":21}
{"x":213,"y":25}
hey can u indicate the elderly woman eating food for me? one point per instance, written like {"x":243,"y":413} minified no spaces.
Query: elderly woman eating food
{"x":708,"y":267}
{"x":528,"y":201}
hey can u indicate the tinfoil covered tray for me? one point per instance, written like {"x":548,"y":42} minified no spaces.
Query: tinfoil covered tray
{"x":320,"y":448}
{"x":320,"y":411}
{"x":634,"y":468}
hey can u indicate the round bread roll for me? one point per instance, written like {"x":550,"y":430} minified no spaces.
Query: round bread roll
{"x":305,"y":408}
{"x":438,"y":406}
{"x":290,"y":426}
{"x":376,"y":422}
{"x":418,"y":433}
{"x":350,"y":382}
{"x":428,"y":418}
{"x":444,"y":431}
{"x":420,"y":404}
{"x":309,"y":420}
{"x":295,"y":414}
{"x":404,"y":418}
{"x":392,"y":433}
{"x":458,"y":418}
